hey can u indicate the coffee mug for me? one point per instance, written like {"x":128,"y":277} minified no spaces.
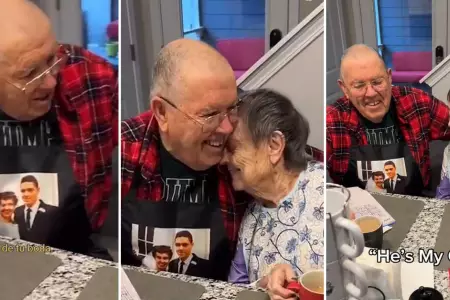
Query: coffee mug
{"x":372,"y":230}
{"x":345,"y":242}
{"x":312,"y":285}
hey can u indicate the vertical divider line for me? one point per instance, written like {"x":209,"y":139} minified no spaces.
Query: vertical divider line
{"x":119,"y":160}
{"x":324,"y":142}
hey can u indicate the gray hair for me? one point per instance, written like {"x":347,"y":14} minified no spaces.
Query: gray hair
{"x":353,"y":51}
{"x":163,"y":71}
{"x":265,"y":111}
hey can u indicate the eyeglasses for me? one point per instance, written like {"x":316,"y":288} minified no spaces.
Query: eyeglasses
{"x":58,"y":61}
{"x":211,"y":122}
{"x":378,"y":84}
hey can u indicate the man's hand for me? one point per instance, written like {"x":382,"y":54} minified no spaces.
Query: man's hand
{"x":276,"y":281}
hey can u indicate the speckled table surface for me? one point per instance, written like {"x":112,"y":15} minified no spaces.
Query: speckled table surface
{"x":423,"y":235}
{"x":215,"y":290}
{"x":68,"y":280}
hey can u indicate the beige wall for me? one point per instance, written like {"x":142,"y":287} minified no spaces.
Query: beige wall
{"x":295,"y":68}
{"x":359,"y":22}
{"x":301,"y":80}
{"x":307,"y":7}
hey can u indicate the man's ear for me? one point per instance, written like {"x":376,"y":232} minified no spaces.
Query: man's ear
{"x":159,"y":110}
{"x":276,"y":146}
{"x":343,"y":89}
{"x":389,"y":72}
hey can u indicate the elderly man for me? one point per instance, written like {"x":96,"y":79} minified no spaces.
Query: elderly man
{"x":58,"y":116}
{"x":376,"y":122}
{"x":169,"y":162}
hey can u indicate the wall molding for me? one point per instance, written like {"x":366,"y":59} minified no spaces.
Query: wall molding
{"x":438,"y":73}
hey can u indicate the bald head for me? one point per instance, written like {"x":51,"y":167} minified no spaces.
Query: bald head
{"x":185,"y":62}
{"x":23,"y":26}
{"x":358,"y":53}
{"x":28,"y":47}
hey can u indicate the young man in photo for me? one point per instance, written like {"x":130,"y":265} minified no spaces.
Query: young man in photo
{"x":34,"y":217}
{"x":187,"y":262}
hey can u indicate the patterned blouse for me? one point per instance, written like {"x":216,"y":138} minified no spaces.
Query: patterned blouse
{"x":291,"y":233}
{"x":443,"y":190}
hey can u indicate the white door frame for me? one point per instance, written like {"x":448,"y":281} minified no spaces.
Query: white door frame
{"x":166,"y":25}
{"x":132,"y":89}
{"x":336,"y":45}
{"x":278,"y":14}
{"x":66,"y":18}
{"x":364,"y":22}
{"x":441,"y":23}
{"x":285,"y":15}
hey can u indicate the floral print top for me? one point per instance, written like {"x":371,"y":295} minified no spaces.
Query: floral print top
{"x":291,"y":233}
{"x":443,"y":190}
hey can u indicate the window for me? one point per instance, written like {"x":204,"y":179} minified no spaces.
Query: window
{"x":191,"y":19}
{"x":100,"y":20}
{"x":366,"y":169}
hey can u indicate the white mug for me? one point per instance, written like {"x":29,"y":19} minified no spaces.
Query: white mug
{"x":345,"y":242}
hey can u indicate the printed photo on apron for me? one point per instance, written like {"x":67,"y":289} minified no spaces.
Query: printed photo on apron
{"x":28,"y":204}
{"x":175,"y":250}
{"x":383,"y":176}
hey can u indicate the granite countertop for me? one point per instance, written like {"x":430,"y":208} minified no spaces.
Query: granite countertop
{"x":423,"y":234}
{"x":68,"y":280}
{"x":215,"y":290}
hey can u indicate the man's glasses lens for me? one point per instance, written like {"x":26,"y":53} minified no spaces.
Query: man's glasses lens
{"x":53,"y":70}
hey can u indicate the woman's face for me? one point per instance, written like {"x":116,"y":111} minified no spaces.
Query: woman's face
{"x":247,"y":163}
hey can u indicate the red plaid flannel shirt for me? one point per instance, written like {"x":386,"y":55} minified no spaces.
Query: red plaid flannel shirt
{"x":421,"y":118}
{"x":140,"y":152}
{"x":86,"y":103}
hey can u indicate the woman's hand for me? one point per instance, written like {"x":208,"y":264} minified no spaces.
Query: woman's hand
{"x":276,"y":281}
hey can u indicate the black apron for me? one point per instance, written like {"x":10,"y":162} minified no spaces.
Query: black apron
{"x":61,"y":221}
{"x":146,"y":224}
{"x":370,"y":158}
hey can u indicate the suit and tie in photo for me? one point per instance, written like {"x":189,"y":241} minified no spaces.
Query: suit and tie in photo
{"x":195,"y":266}
{"x":187,"y":262}
{"x":394,"y":183}
{"x":34,"y":217}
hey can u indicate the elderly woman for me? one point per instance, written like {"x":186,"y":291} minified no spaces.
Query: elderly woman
{"x":266,"y":157}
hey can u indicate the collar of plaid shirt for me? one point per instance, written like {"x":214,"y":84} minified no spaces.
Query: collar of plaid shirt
{"x":421,"y":119}
{"x":86,"y":104}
